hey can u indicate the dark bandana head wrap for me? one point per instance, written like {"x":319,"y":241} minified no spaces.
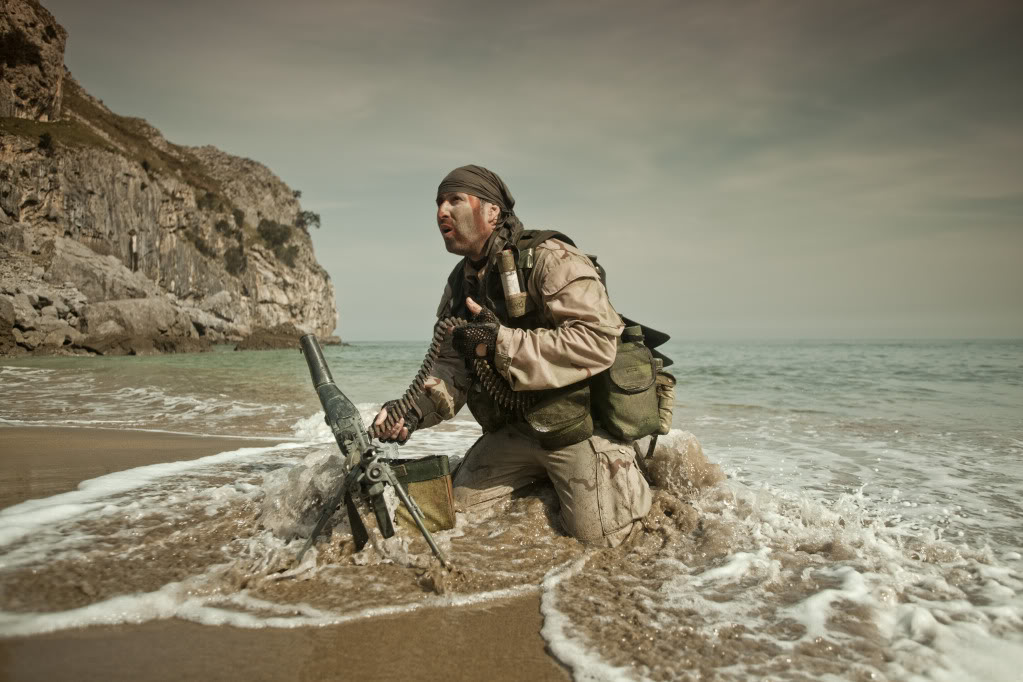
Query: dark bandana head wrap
{"x":479,"y":182}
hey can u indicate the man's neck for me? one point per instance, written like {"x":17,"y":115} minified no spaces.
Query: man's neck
{"x":478,"y":260}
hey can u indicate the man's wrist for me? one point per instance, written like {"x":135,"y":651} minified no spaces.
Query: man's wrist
{"x":502,"y":351}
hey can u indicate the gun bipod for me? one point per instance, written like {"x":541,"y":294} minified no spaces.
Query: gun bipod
{"x":368,"y":480}
{"x":366,"y":473}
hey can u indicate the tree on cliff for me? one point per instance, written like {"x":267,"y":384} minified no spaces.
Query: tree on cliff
{"x":307,"y":218}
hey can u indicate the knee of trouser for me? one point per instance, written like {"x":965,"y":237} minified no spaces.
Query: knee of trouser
{"x":611,"y":496}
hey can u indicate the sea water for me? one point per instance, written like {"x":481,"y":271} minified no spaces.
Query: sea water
{"x":869,"y":526}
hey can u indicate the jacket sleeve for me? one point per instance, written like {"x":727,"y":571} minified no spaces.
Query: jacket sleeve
{"x":585,"y":330}
{"x":446,"y":388}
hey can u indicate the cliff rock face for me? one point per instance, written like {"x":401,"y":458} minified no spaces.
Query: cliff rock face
{"x":219,"y":239}
{"x":31,"y":61}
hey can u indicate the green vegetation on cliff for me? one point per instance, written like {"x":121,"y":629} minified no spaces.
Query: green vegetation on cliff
{"x":276,"y":236}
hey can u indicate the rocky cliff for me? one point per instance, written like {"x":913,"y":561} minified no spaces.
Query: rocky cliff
{"x":113,"y":239}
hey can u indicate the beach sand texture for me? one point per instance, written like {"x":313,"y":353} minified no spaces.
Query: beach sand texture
{"x":497,"y":640}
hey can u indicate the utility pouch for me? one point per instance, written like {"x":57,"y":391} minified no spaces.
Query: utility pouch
{"x":625,"y":397}
{"x":665,"y":400}
{"x":484,"y":409}
{"x":560,"y":418}
{"x":427,"y":480}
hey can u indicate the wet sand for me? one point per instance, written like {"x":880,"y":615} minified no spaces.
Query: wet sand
{"x":499,"y":640}
{"x":43,"y":461}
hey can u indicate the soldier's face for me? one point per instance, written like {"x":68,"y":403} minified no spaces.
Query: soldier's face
{"x":462,"y":225}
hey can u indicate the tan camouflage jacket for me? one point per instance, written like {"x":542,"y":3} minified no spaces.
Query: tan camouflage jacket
{"x":581,"y":341}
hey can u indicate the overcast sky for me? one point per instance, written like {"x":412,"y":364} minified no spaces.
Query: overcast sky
{"x":743,"y":169}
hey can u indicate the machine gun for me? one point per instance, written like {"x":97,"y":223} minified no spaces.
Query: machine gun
{"x":365,"y":473}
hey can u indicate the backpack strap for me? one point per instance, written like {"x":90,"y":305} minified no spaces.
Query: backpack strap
{"x":526,"y":245}
{"x":456,"y":280}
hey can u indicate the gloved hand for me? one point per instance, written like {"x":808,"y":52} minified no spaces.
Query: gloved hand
{"x":401,"y":431}
{"x":478,"y":339}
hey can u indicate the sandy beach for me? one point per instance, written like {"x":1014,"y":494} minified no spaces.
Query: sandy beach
{"x":499,"y":640}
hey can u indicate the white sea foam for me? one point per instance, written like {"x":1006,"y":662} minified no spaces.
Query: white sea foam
{"x":102,"y":424}
{"x":925,"y":620}
{"x":452,"y":438}
{"x":929,"y":601}
{"x":557,"y":630}
{"x":33,"y":515}
{"x":312,"y":429}
{"x":202,"y":597}
{"x":880,"y":503}
{"x":86,"y":398}
{"x":121,"y":510}
{"x":185,"y":600}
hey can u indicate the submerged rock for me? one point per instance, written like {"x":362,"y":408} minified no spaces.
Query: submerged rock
{"x":127,"y":344}
{"x":283,"y":336}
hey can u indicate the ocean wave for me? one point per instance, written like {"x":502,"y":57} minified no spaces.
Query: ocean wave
{"x":82,"y":399}
{"x":732,"y":580}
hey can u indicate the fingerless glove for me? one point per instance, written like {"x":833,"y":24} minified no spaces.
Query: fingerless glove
{"x":476,"y":341}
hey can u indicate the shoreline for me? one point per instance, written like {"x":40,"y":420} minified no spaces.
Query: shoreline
{"x":42,"y":461}
{"x":497,"y":640}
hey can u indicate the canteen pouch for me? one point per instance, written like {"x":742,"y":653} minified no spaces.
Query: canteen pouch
{"x":665,"y":400}
{"x":427,"y":480}
{"x":625,"y":399}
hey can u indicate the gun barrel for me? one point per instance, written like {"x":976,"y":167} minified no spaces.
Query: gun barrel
{"x":350,"y":433}
{"x":338,"y":411}
{"x":317,"y":363}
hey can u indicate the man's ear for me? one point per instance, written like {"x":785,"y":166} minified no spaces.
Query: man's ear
{"x":493,"y":213}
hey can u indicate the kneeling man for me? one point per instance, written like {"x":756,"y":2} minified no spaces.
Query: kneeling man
{"x":568,"y":333}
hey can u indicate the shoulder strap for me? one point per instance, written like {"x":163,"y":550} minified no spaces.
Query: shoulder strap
{"x":456,"y":280}
{"x":527,"y":242}
{"x":530,"y":239}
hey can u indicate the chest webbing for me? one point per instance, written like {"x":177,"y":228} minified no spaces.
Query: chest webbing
{"x":488,"y":291}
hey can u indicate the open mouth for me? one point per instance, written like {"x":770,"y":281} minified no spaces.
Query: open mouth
{"x":447,"y":230}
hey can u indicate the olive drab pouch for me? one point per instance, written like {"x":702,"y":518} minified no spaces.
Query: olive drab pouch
{"x":665,"y":398}
{"x":487,"y":413}
{"x":427,"y":480}
{"x":625,"y":399}
{"x":560,"y":418}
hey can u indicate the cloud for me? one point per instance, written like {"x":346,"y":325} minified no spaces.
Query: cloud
{"x":716,"y":154}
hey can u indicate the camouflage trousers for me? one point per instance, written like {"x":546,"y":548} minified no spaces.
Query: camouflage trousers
{"x":602,"y":492}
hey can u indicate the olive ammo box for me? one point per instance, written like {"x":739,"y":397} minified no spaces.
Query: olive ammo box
{"x":427,"y":480}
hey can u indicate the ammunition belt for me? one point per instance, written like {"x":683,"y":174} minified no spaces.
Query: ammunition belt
{"x":515,"y":402}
